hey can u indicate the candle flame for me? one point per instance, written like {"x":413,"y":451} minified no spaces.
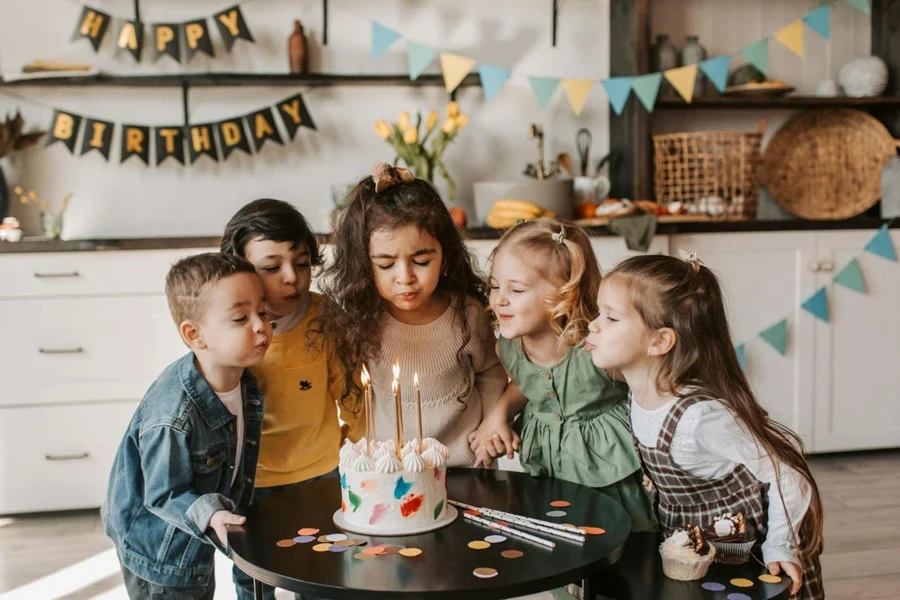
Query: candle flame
{"x":396,"y":370}
{"x":365,"y":376}
{"x":416,"y":379}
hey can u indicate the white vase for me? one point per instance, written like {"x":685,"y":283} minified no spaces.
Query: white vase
{"x":864,"y":77}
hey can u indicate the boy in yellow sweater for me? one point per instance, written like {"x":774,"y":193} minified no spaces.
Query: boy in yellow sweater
{"x":301,"y":376}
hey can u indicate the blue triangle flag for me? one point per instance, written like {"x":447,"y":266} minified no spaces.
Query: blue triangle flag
{"x":819,"y":20}
{"x":618,"y":89}
{"x":543,"y":88}
{"x":741,"y":351}
{"x":817,"y":305}
{"x":776,"y":336}
{"x":861,"y":5}
{"x":716,"y":70}
{"x":881,"y":244}
{"x":382,"y":39}
{"x":646,"y":88}
{"x":492,"y":79}
{"x":758,"y":55}
{"x":851,"y":277}
{"x":420,"y":57}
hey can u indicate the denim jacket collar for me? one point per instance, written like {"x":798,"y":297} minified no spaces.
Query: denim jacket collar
{"x":209,"y":406}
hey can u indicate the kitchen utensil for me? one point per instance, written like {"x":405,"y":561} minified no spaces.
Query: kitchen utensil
{"x":583,"y":144}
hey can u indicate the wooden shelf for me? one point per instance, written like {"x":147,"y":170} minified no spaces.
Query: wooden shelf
{"x":781,"y":102}
{"x":238,"y":79}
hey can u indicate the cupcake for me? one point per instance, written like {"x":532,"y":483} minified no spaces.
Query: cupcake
{"x":732,"y":537}
{"x":685,"y":554}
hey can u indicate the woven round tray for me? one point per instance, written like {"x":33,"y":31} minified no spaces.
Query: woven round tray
{"x":826,"y":164}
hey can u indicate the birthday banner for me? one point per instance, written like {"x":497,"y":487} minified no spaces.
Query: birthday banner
{"x":850,"y":277}
{"x":180,"y":41}
{"x":216,"y":140}
{"x":455,"y":67}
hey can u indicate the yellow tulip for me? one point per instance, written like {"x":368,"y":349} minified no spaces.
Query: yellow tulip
{"x":411,"y":135}
{"x":383,"y":129}
{"x":449,"y":125}
{"x":452,"y":109}
{"x":403,"y":121}
{"x":431,"y":121}
{"x":461,"y":122}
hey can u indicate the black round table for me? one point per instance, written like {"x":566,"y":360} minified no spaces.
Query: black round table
{"x":445,"y":567}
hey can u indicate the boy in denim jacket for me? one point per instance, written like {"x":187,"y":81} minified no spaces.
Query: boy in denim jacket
{"x":188,"y":458}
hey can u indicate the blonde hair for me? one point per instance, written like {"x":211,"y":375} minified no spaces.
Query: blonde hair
{"x":562,"y":254}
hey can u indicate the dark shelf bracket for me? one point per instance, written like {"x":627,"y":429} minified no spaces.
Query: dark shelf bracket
{"x":137,"y":11}
{"x":556,"y":4}
{"x":184,"y":102}
{"x":324,"y":22}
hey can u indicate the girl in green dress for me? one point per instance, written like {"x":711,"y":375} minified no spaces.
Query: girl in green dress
{"x":573,"y":425}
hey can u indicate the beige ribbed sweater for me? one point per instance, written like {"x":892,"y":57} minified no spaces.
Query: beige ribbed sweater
{"x":430,"y":350}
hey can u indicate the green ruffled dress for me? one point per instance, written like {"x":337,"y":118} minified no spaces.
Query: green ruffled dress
{"x":575,"y":427}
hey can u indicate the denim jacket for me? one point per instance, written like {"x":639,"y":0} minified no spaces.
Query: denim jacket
{"x":173,"y":470}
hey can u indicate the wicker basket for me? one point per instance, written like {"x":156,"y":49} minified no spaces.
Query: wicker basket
{"x":691,"y":167}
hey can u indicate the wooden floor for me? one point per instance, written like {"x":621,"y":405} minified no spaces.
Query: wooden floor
{"x":861,"y":494}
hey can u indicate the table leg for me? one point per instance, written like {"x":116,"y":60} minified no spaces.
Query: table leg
{"x":257,"y":589}
{"x":587,"y":591}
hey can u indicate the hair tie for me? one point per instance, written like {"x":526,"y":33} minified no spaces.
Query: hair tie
{"x":691,"y":257}
{"x":384,"y":176}
{"x":560,"y":237}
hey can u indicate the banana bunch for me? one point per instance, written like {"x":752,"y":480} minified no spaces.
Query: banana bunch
{"x":507,"y":213}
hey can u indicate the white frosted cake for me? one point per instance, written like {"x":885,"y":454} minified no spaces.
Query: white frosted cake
{"x":386,"y":492}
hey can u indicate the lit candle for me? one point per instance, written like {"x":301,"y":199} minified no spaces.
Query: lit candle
{"x":368,"y":405}
{"x":398,"y":408}
{"x":418,"y":411}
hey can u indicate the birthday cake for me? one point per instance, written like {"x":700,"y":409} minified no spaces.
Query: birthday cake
{"x":386,"y":491}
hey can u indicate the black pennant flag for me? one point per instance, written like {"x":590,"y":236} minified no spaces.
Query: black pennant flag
{"x":131,"y":38}
{"x":64,"y":128}
{"x":232,"y":136}
{"x":295,"y":115}
{"x":262,"y":127}
{"x":92,"y":24}
{"x":169,"y":141}
{"x":232,"y":26}
{"x":97,"y":136}
{"x":200,"y":141}
{"x":135,"y":142}
{"x":196,"y":39}
{"x":166,"y":38}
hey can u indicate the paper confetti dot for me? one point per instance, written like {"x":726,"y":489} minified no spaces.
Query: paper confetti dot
{"x":323,"y":538}
{"x":363,"y":556}
{"x":285,"y":543}
{"x":485,"y":572}
{"x":336,"y":548}
{"x":344,"y":543}
{"x":560,"y":503}
{"x":744,"y":583}
{"x":388,"y":549}
{"x":738,"y":596}
{"x":495,"y":539}
{"x":592,"y":530}
{"x":359,"y":542}
{"x":322,"y":547}
{"x":479,"y":545}
{"x":712,"y":586}
{"x":336,"y":537}
{"x":374,"y":550}
{"x":770,"y":578}
{"x":304,"y":539}
{"x":308,"y":531}
{"x":556,"y":513}
{"x":410,"y":552}
{"x":512,"y":554}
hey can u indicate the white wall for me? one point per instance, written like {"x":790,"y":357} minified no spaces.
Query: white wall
{"x":131,"y":200}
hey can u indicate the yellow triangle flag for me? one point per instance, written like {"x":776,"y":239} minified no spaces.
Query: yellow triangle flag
{"x":682,"y":79}
{"x":792,"y":37}
{"x":455,"y":68}
{"x":577,"y":91}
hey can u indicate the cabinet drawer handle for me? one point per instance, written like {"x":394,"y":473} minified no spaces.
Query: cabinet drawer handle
{"x":827,"y":266}
{"x":58,"y":457}
{"x":815,"y":266}
{"x":76,"y":350}
{"x":39,"y":275}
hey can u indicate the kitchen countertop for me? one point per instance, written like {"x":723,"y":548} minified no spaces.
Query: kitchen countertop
{"x":474,"y":233}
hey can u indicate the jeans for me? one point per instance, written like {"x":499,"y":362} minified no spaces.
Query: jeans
{"x":243,"y":583}
{"x":141,"y":589}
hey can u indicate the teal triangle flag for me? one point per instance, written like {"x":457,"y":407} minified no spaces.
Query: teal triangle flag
{"x":382,"y":39}
{"x":776,"y":336}
{"x":419,"y":58}
{"x":851,"y":277}
{"x":881,"y":244}
{"x":819,"y":20}
{"x":618,"y":89}
{"x":646,"y":88}
{"x":741,"y":351}
{"x":543,"y":88}
{"x":861,"y":5}
{"x":716,"y":70}
{"x":492,"y":79}
{"x":758,"y":55}
{"x":817,"y":305}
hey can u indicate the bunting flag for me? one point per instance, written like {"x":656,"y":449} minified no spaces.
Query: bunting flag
{"x":169,"y":141}
{"x":716,"y":70}
{"x":64,"y":128}
{"x":776,"y":336}
{"x":131,"y":39}
{"x":862,"y":6}
{"x":492,"y":79}
{"x":817,"y":305}
{"x":646,"y":88}
{"x":295,"y":115}
{"x":262,"y":128}
{"x":92,"y":25}
{"x":455,"y":69}
{"x":819,"y":20}
{"x":741,"y":351}
{"x":97,"y":136}
{"x":851,"y":277}
{"x":201,"y":141}
{"x":382,"y":39}
{"x":233,"y":136}
{"x":166,"y":39}
{"x":577,"y":91}
{"x":758,"y":55}
{"x":881,"y":244}
{"x":196,"y":39}
{"x":618,"y":90}
{"x":419,"y":58}
{"x":135,"y":142}
{"x":682,"y":79}
{"x":543,"y":89}
{"x":232,"y":26}
{"x":792,"y":37}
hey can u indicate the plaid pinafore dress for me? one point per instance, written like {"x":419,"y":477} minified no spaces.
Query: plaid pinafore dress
{"x":683,"y":499}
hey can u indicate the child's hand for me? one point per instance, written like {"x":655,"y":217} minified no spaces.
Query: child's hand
{"x":220,"y":520}
{"x":648,"y":485}
{"x":790,"y":569}
{"x":482,"y":459}
{"x":494,"y":435}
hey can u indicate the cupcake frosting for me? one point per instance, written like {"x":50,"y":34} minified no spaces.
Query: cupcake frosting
{"x":434,"y":457}
{"x":685,"y":544}
{"x":388,"y":464}
{"x":730,"y":528}
{"x":363,"y":463}
{"x":413,"y":462}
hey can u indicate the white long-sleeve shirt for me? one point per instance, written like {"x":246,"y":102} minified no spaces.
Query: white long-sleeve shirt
{"x":709,"y":443}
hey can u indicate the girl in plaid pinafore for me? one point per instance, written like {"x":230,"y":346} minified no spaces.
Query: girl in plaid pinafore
{"x":705,"y":443}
